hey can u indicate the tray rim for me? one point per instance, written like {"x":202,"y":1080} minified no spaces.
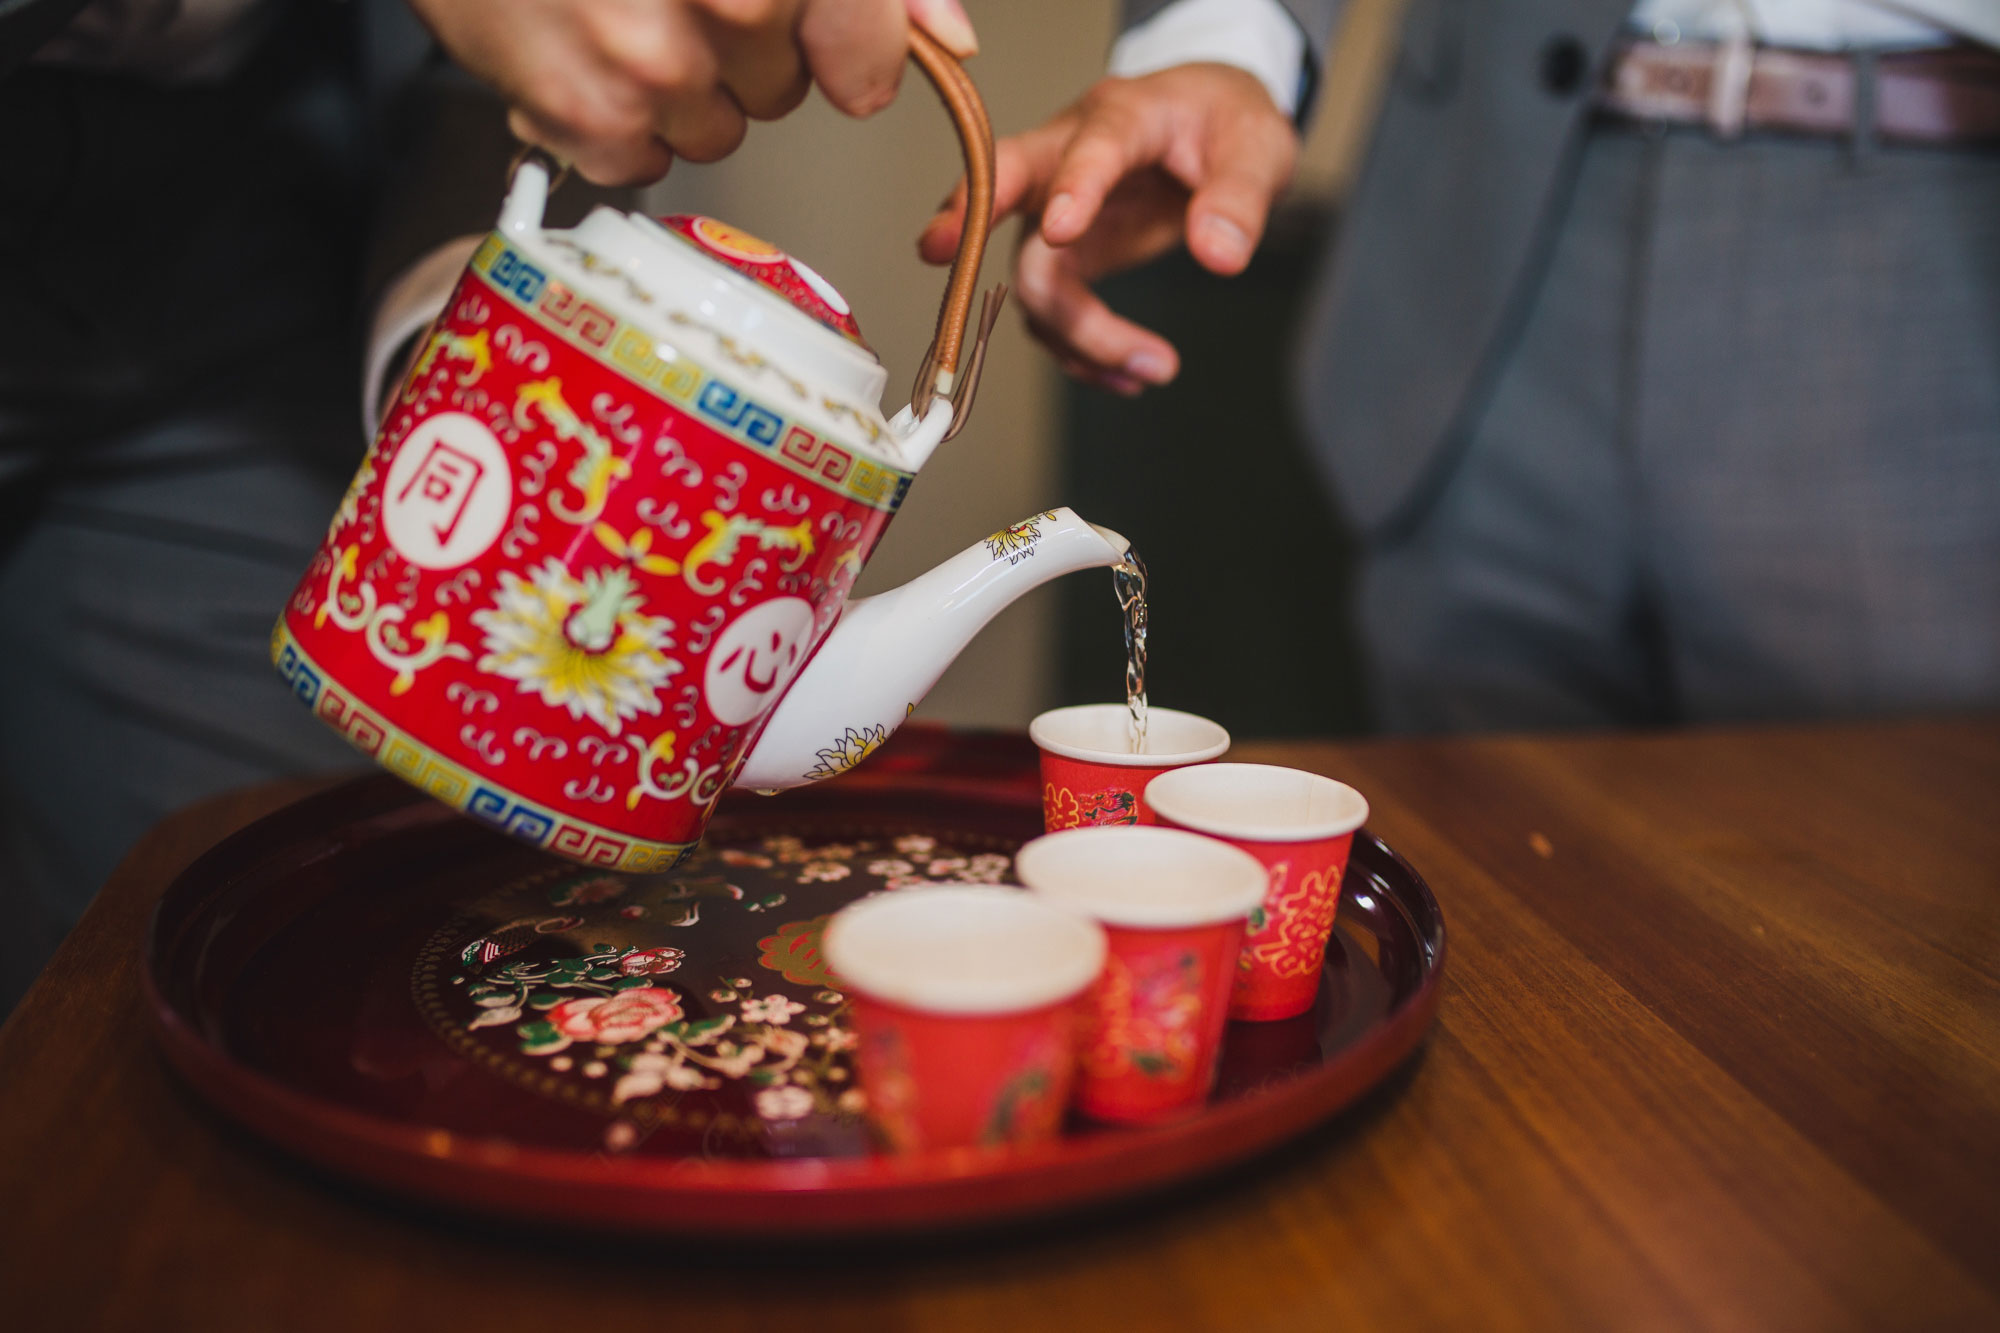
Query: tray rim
{"x":796,"y":1197}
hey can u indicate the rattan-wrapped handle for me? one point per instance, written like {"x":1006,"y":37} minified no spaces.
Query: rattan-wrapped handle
{"x":947,"y":370}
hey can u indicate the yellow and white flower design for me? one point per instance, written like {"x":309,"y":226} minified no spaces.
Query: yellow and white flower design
{"x":1019,"y":536}
{"x":847,"y":750}
{"x":581,"y":644}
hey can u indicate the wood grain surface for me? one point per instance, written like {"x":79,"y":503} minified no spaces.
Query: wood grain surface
{"x":1719,"y":1048}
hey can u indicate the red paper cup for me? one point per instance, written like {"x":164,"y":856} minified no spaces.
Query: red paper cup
{"x":1300,"y":825}
{"x":965,"y":1007}
{"x":1173,"y":907}
{"x":1090,"y":773}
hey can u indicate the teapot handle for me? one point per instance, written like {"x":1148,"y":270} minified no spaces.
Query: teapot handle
{"x":947,"y":371}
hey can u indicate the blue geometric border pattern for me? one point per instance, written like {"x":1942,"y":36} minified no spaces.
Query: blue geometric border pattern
{"x":733,"y":412}
{"x":295,"y":667}
{"x":425,"y":769}
{"x":516,"y":276}
{"x":628,"y":351}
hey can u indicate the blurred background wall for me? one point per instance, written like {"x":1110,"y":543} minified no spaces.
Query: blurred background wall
{"x":849,"y":197}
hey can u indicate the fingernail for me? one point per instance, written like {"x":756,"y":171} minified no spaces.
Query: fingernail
{"x":1058,"y":213}
{"x":947,"y":21}
{"x":1149,"y":366}
{"x":1229,"y":241}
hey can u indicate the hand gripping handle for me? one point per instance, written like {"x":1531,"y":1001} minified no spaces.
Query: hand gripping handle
{"x":949,"y":370}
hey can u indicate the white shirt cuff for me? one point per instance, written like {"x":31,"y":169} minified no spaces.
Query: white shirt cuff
{"x":1257,"y":36}
{"x":409,"y":303}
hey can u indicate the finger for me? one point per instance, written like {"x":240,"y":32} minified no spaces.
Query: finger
{"x":766,"y":80}
{"x":702,"y":126}
{"x":636,"y":158}
{"x":938,"y":242}
{"x":1112,"y":140}
{"x":1249,"y":160}
{"x":1022,"y":165}
{"x":1063,"y":310}
{"x":667,"y":62}
{"x":1123,"y":385}
{"x":773,"y":95}
{"x":946,"y":21}
{"x":855,"y":51}
{"x":760,"y":61}
{"x":646,"y":90}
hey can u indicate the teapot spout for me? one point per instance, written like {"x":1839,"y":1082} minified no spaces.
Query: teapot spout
{"x":885,"y":652}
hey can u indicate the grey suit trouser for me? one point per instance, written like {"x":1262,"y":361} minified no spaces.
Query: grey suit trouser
{"x":138,"y":586}
{"x":1741,"y":460}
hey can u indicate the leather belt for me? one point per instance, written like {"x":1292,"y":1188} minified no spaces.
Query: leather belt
{"x":1939,"y":96}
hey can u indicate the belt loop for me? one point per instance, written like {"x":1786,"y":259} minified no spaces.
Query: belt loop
{"x":1729,"y":84}
{"x":1862,"y":142}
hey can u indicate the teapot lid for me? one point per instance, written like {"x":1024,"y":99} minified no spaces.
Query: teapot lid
{"x":770,"y":267}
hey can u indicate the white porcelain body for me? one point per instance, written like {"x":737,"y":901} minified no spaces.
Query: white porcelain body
{"x":885,"y":652}
{"x":629,"y":263}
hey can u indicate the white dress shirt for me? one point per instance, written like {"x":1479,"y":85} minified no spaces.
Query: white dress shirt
{"x":1258,"y":36}
{"x":1261,"y":37}
{"x":1823,"y":25}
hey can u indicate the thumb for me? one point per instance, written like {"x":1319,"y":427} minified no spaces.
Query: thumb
{"x":946,"y":21}
{"x":1250,"y":159}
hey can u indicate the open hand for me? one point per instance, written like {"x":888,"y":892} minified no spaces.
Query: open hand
{"x":1196,"y":154}
{"x":620,"y":87}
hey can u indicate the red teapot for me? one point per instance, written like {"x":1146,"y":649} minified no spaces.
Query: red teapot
{"x":594,"y":568}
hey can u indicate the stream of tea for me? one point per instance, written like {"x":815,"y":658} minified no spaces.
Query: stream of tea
{"x":1128,"y":583}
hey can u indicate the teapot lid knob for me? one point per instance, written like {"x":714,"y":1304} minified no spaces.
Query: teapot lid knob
{"x":772,"y":268}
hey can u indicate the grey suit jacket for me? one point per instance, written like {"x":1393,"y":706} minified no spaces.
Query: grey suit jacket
{"x":1442,"y":239}
{"x":1440,"y":242}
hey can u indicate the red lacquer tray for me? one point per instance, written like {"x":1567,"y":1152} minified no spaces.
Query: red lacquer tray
{"x":402,"y":996}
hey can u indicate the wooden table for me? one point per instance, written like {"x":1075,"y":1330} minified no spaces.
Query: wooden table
{"x":1719,"y":1047}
